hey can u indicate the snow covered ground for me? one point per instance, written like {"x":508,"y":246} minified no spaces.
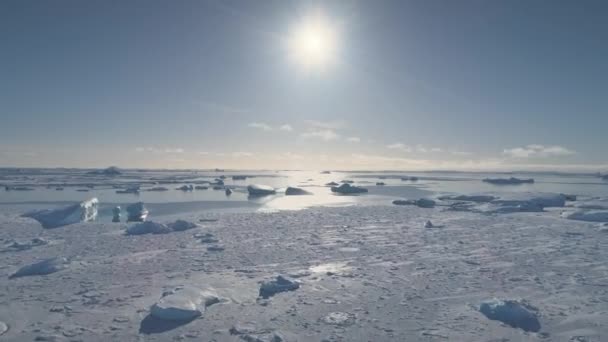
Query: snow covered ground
{"x":367,"y":270}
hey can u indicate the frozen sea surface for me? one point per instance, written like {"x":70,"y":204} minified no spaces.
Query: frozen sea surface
{"x":367,"y":270}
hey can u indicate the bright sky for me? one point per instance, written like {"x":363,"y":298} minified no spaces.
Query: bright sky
{"x":309,"y":85}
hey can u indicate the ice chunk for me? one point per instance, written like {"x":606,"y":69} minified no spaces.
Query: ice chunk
{"x":186,"y":188}
{"x":116,"y":214}
{"x":3,"y":328}
{"x":422,"y":202}
{"x":53,"y":218}
{"x":181,"y":225}
{"x":292,"y":191}
{"x":508,"y":181}
{"x":228,"y":191}
{"x":346,"y":188}
{"x":260,"y":190}
{"x":280,"y":284}
{"x":43,"y":267}
{"x":332,"y":184}
{"x":237,"y":177}
{"x":380,"y":183}
{"x":428,"y":224}
{"x":511,"y":312}
{"x":590,"y":215}
{"x":158,"y":188}
{"x":148,"y":227}
{"x":183,"y":304}
{"x":137,"y":212}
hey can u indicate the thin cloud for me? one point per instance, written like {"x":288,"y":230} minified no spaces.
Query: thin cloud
{"x":535,"y":150}
{"x":160,"y":150}
{"x":286,"y":127}
{"x":333,"y":125}
{"x":399,"y":146}
{"x":325,"y":135}
{"x":260,"y":125}
{"x":353,"y":139}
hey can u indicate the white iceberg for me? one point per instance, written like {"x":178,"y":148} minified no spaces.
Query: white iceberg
{"x":183,"y":304}
{"x":43,"y":267}
{"x":260,"y":190}
{"x":52,"y":218}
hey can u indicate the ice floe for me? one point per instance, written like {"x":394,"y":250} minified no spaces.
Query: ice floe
{"x":43,"y":267}
{"x":293,"y":191}
{"x":516,"y":314}
{"x":80,"y":212}
{"x":183,"y":304}
{"x":260,"y":190}
{"x":280,"y":284}
{"x":422,"y":202}
{"x":346,"y":188}
{"x":469,"y":198}
{"x":508,"y":181}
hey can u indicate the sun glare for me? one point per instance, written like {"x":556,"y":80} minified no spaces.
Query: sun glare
{"x":313,"y":41}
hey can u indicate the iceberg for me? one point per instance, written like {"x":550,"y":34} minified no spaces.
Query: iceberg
{"x":137,"y":212}
{"x":293,"y":191}
{"x":43,"y":267}
{"x":80,"y":212}
{"x":346,"y":188}
{"x":511,"y":312}
{"x":260,"y":190}
{"x":183,"y":304}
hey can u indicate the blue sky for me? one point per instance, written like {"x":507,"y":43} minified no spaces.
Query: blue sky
{"x":204,"y":84}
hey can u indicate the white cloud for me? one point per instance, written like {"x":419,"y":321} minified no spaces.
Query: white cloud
{"x":260,"y":125}
{"x":353,"y":139}
{"x":461,"y":153}
{"x":325,"y":135}
{"x":286,"y":127}
{"x":399,"y":146}
{"x":333,"y":125}
{"x":436,"y":149}
{"x":242,"y":154}
{"x":160,"y":150}
{"x":536,"y":150}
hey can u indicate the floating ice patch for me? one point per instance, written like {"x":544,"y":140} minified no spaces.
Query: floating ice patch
{"x":508,"y":181}
{"x":280,"y":284}
{"x":183,"y":304}
{"x":511,"y":312}
{"x":292,"y":191}
{"x":43,"y":267}
{"x":260,"y":190}
{"x":590,"y":215}
{"x":346,"y":188}
{"x":53,"y":218}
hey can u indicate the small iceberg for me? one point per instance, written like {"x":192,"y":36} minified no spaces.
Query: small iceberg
{"x":293,"y":191}
{"x":237,"y":177}
{"x":52,"y":218}
{"x":228,"y":191}
{"x":332,"y":184}
{"x":280,"y":284}
{"x":201,"y":187}
{"x":513,"y":313}
{"x":181,"y":225}
{"x":137,"y":212}
{"x":380,"y":183}
{"x":346,"y":188}
{"x":260,"y":190}
{"x":186,"y":188}
{"x":508,"y":181}
{"x":183,"y":304}
{"x":43,"y":267}
{"x":158,"y":188}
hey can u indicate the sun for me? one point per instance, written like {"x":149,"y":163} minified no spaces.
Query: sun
{"x":313,"y":41}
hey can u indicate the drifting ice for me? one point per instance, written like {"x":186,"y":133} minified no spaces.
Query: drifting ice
{"x":53,"y":218}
